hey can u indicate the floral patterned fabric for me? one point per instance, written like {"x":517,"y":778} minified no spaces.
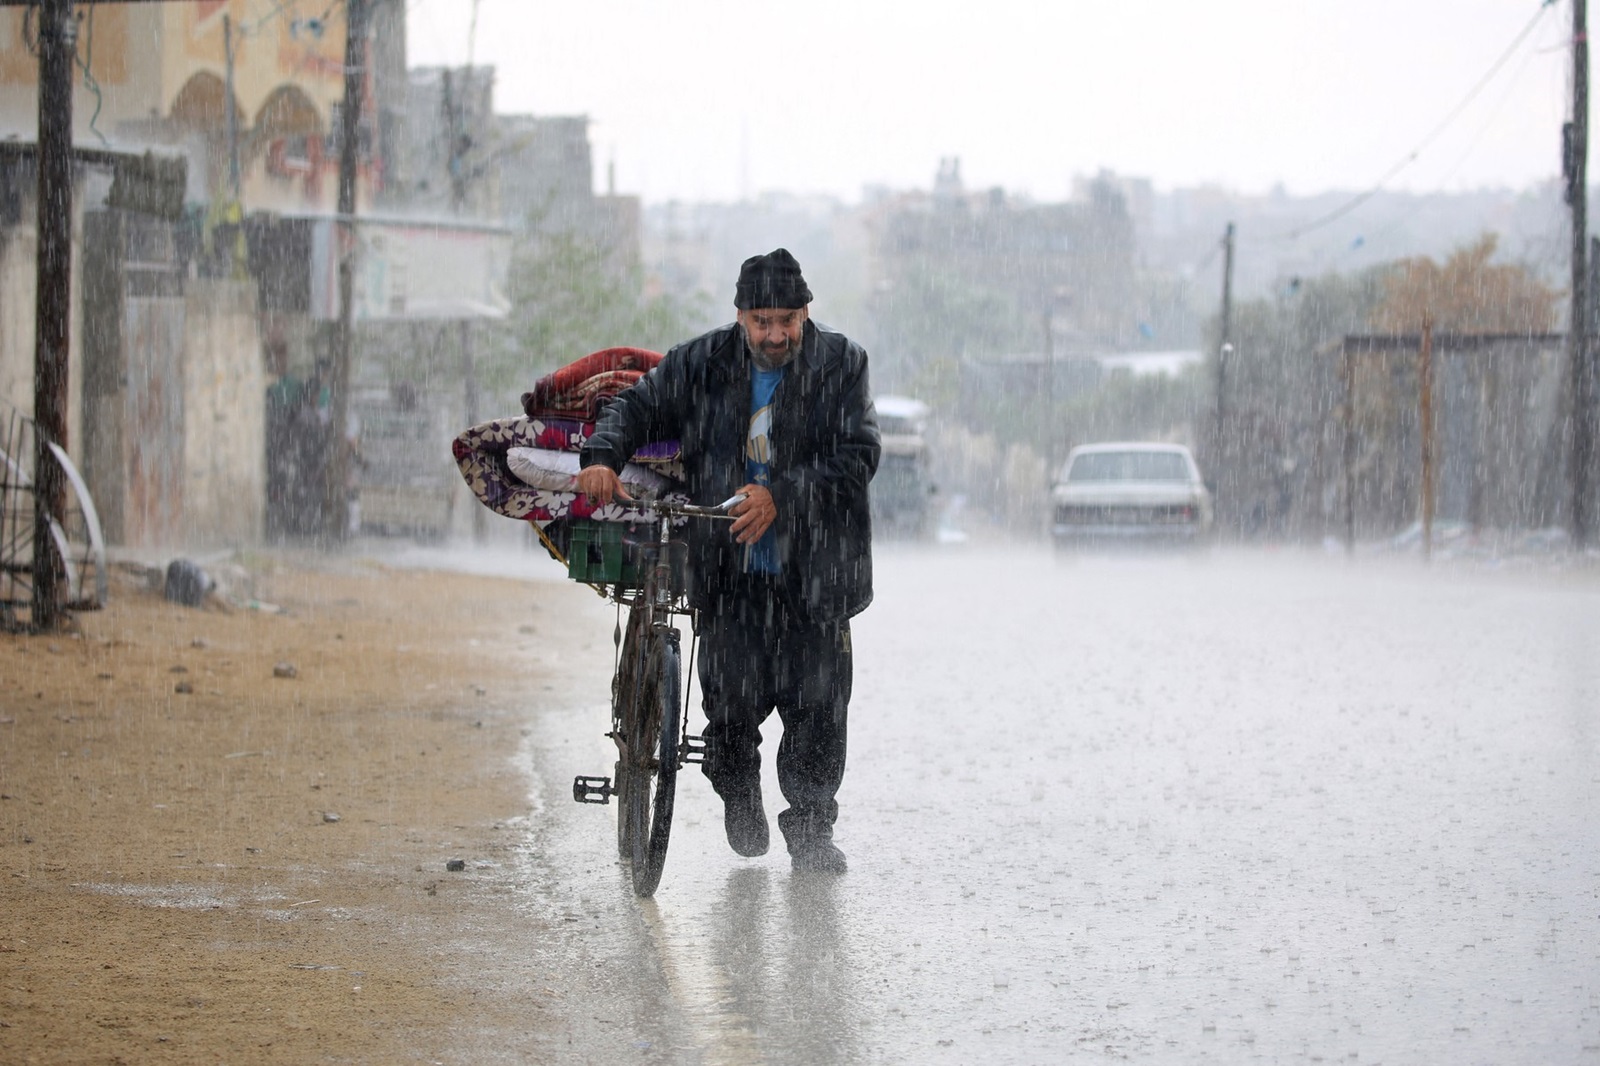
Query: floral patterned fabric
{"x":546,"y":469}
{"x":480,"y":453}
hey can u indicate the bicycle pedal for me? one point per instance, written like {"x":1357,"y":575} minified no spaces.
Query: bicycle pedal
{"x":592,"y":789}
{"x":694,"y":749}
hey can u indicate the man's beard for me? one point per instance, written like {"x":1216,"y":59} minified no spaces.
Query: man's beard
{"x":767,"y":359}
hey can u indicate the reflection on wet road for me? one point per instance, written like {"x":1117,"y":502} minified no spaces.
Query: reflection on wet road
{"x":1232,"y":809}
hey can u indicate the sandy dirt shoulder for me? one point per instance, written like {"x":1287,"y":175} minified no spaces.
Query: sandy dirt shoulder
{"x":203,"y":861}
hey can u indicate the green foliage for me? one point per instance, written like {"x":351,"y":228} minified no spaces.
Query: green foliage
{"x":929,"y":316}
{"x":569,"y":298}
{"x":1129,"y":407}
{"x":1283,"y":394}
{"x":1275,"y":372}
{"x":1281,"y":388}
{"x":935,"y":381}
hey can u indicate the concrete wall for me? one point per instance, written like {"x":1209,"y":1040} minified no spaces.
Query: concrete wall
{"x":16,"y":317}
{"x":224,"y":491}
{"x":18,"y":308}
{"x":224,"y":417}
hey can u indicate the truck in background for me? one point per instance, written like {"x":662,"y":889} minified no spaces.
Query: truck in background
{"x":903,"y":490}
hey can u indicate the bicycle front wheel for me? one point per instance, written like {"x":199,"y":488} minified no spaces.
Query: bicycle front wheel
{"x":625,"y":701}
{"x":653,"y":725}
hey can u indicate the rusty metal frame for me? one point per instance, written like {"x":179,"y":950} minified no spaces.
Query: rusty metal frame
{"x":1424,"y":344}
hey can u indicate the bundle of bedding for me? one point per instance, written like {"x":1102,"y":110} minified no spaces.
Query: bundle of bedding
{"x":526,"y":467}
{"x":582,"y":388}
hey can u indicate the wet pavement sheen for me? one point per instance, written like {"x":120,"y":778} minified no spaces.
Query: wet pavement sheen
{"x":1236,"y":808}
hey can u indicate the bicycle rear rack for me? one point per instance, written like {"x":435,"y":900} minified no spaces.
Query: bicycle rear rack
{"x":592,"y":789}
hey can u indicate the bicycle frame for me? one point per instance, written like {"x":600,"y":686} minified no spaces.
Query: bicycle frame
{"x":661,"y":597}
{"x":650,"y":749}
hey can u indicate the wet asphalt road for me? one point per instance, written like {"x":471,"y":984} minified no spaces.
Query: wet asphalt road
{"x":1241,"y":808}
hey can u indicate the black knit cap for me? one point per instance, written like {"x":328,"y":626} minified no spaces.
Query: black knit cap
{"x":771,"y":280}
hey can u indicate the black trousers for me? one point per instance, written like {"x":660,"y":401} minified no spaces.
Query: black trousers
{"x":757,"y":656}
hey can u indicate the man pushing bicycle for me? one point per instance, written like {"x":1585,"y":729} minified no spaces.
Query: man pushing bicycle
{"x":774,"y":407}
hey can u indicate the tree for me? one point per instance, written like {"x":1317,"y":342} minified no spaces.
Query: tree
{"x":1496,"y":392}
{"x":569,"y":298}
{"x":1468,"y":293}
{"x":930,"y":314}
{"x":1278,"y":458}
{"x":1277,"y":448}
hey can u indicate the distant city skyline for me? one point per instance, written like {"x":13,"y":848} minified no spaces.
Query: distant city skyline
{"x":712,"y":100}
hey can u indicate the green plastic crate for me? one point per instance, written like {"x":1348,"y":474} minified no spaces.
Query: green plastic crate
{"x":597,"y":555}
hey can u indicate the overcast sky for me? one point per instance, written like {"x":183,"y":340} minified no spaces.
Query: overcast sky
{"x":716,"y":99}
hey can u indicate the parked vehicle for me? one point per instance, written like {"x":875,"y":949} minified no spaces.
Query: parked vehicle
{"x":1127,"y":493}
{"x":902,"y":491}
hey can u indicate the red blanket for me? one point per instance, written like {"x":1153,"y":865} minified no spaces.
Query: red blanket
{"x":579,"y":389}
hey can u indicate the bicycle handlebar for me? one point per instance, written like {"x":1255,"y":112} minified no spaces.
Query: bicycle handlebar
{"x":693,"y":510}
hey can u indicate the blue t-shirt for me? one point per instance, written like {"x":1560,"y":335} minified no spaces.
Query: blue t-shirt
{"x":762,"y":556}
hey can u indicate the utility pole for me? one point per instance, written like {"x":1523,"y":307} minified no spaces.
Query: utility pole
{"x":456,"y":101}
{"x":1425,"y":406}
{"x":1224,"y":351}
{"x":1347,"y":374}
{"x":1586,"y":409}
{"x":454,"y":132}
{"x":1048,"y":392}
{"x":233,"y":112}
{"x":336,"y":506}
{"x":58,"y":34}
{"x":456,"y":107}
{"x":1575,"y":165}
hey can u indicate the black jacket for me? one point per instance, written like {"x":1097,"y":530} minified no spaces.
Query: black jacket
{"x":825,"y":451}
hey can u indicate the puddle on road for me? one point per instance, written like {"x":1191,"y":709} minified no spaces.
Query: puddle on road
{"x":1230,"y":845}
{"x":732,"y":962}
{"x":700,"y":989}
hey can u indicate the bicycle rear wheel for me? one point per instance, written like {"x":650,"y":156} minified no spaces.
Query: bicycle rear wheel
{"x":652,"y":726}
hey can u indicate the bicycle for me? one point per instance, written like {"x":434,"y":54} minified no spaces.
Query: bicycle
{"x":648,"y":724}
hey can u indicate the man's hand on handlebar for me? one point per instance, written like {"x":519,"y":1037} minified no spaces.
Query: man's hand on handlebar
{"x":753,"y":515}
{"x":601,"y":483}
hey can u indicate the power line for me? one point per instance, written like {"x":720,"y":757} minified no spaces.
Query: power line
{"x":1206,"y":260}
{"x":1411,"y":156}
{"x":248,"y":29}
{"x":90,"y":82}
{"x":1366,"y":240}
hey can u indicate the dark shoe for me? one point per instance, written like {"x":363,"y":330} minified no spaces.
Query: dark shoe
{"x":746,"y":823}
{"x":821,"y":856}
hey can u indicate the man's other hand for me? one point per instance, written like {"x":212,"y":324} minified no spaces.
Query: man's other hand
{"x":601,"y":483}
{"x":753,"y":516}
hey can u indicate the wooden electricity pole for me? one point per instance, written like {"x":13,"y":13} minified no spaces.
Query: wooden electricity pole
{"x":1225,"y":342}
{"x":1575,"y":165}
{"x":58,"y":42}
{"x":233,"y":110}
{"x":457,"y":103}
{"x":53,"y":309}
{"x":1221,"y":462}
{"x":1347,"y":375}
{"x":1048,"y":393}
{"x":1425,"y":408}
{"x":336,"y":511}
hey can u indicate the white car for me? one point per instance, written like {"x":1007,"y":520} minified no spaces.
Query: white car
{"x":1125,"y":493}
